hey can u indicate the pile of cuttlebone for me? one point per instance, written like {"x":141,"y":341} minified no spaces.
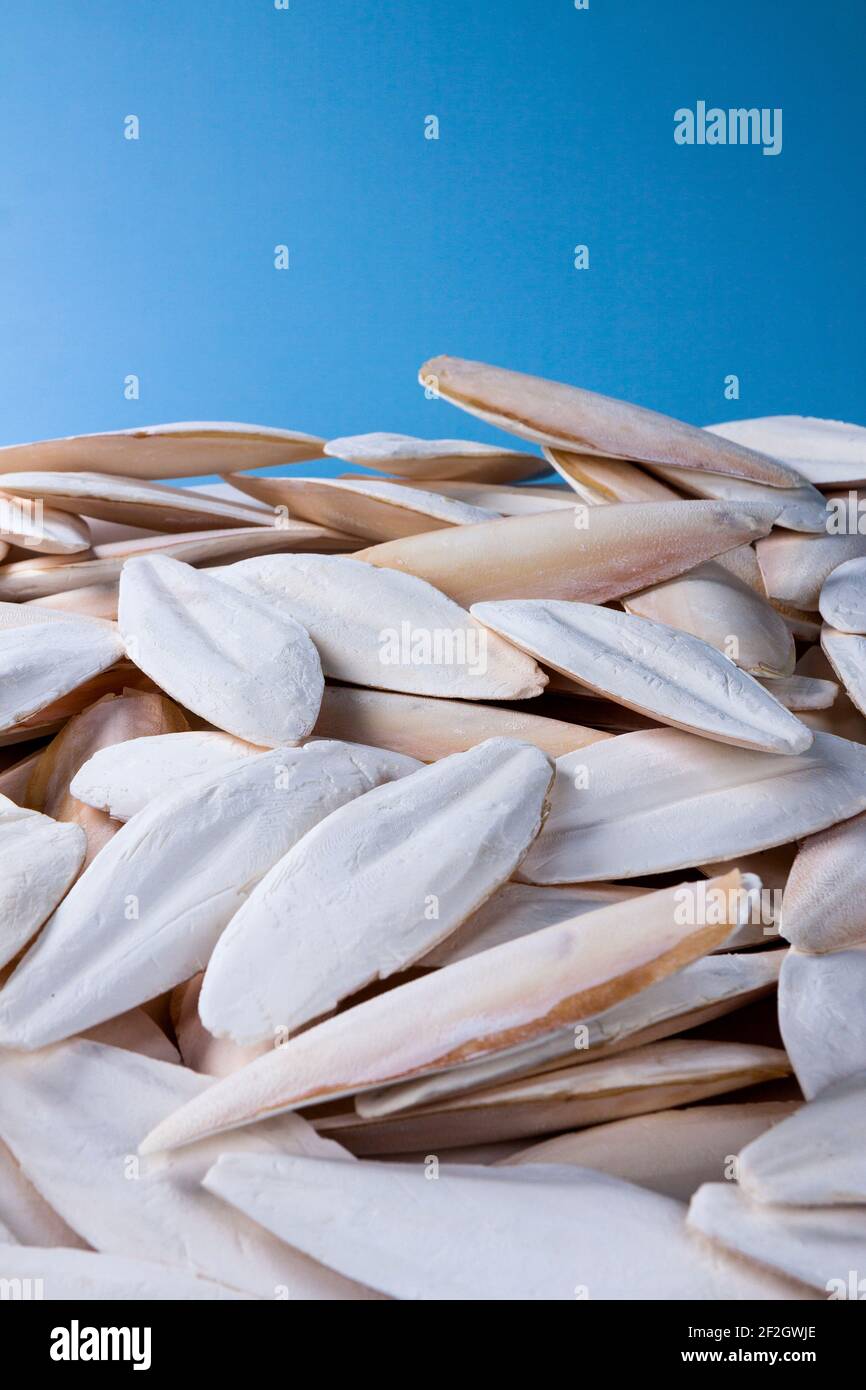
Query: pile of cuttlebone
{"x":391,"y":864}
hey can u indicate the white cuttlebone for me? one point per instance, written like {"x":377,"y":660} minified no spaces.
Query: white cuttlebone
{"x":387,"y":881}
{"x":84,"y":1276}
{"x":655,"y":1076}
{"x":843,"y":598}
{"x":147,"y":912}
{"x":817,"y":1157}
{"x":39,"y":858}
{"x":124,"y":778}
{"x":509,"y":995}
{"x":410,"y":457}
{"x":651,"y":668}
{"x":200,"y":1050}
{"x":821,"y":1016}
{"x":816,"y":1245}
{"x":801,"y":692}
{"x":544,"y":1232}
{"x":671,"y":1152}
{"x":24,"y":1212}
{"x":567,"y":417}
{"x":594,"y":555}
{"x":823,"y":451}
{"x":518,"y":909}
{"x":25,"y":581}
{"x":720,"y":608}
{"x":133,"y":501}
{"x":16,"y":615}
{"x":227,"y":656}
{"x":42,"y":661}
{"x":496,"y":497}
{"x":704,"y":990}
{"x":846,"y":652}
{"x":430,"y":727}
{"x":658,"y":800}
{"x":357,"y":616}
{"x":804,"y":508}
{"x":181,"y":449}
{"x":824,"y":906}
{"x":796,"y":567}
{"x":369,"y":507}
{"x":46,"y":529}
{"x":72,"y":1116}
{"x":135,"y":1031}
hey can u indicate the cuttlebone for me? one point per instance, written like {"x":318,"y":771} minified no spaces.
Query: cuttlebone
{"x":704,"y":990}
{"x":387,"y":885}
{"x":132,"y":501}
{"x":815,"y":1245}
{"x":796,"y":567}
{"x":410,"y":457}
{"x":456,"y":1238}
{"x":846,"y":652}
{"x":124,"y":778}
{"x":821,"y":1016}
{"x":720,"y":608}
{"x":817,"y":1157}
{"x":593,"y":554}
{"x":90,"y":601}
{"x":44,"y":529}
{"x":135,"y":1031}
{"x":200,"y":1050}
{"x":824,"y":905}
{"x":378,"y":628}
{"x":86,"y":1276}
{"x":843,"y":598}
{"x":804,"y":508}
{"x":27,"y":1217}
{"x":655,"y":1076}
{"x":229,"y":657}
{"x":148,"y":911}
{"x":27,"y":581}
{"x":495,"y":497}
{"x":41,"y":661}
{"x":39,"y":858}
{"x":658,"y":799}
{"x":430,"y":727}
{"x":517,"y":909}
{"x":23,"y":615}
{"x":825,"y":452}
{"x":599,"y":481}
{"x":108,"y":722}
{"x":671,"y":1152}
{"x":506,"y":996}
{"x":801,"y":692}
{"x":649,"y":667}
{"x":72,"y":1116}
{"x":567,"y":417}
{"x":181,"y":449}
{"x":369,"y":507}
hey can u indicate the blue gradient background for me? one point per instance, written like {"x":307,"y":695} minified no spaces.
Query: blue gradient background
{"x":306,"y":126}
